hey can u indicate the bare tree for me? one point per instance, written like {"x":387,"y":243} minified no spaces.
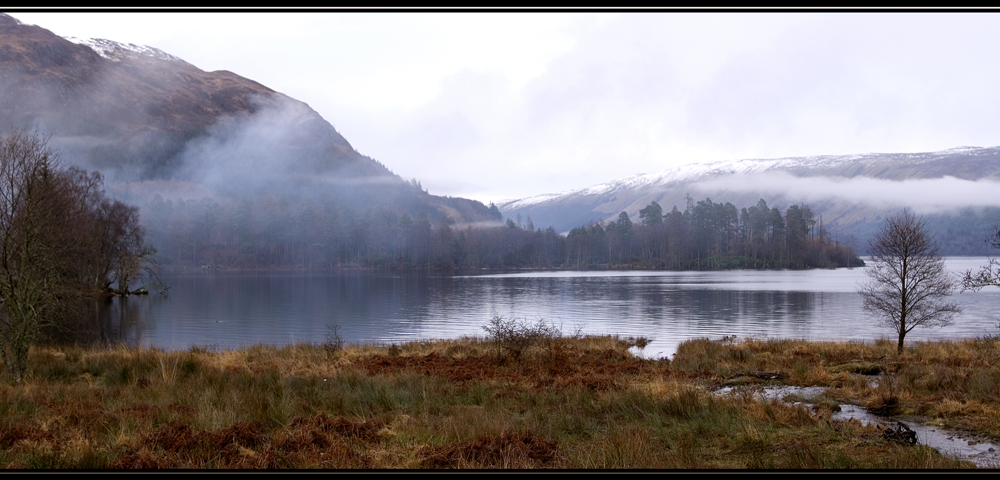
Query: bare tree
{"x":61,"y":241}
{"x":29,"y":254}
{"x":110,"y":236}
{"x":134,"y":259}
{"x":907,"y":282}
{"x":989,"y":274}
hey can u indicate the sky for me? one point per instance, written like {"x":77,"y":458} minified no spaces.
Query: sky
{"x":503,"y":105}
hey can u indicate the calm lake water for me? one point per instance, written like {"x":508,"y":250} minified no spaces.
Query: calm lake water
{"x":226,"y":311}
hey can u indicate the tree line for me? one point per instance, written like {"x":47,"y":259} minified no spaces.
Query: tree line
{"x":322,"y":232}
{"x":708,"y":235}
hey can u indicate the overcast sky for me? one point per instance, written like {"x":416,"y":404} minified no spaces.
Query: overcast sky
{"x":505,"y":105}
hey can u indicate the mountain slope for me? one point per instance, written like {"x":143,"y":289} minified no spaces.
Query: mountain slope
{"x":138,"y":114}
{"x":101,"y":105}
{"x":851,"y":192}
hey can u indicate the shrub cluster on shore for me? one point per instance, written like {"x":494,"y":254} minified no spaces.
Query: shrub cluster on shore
{"x":580,"y":402}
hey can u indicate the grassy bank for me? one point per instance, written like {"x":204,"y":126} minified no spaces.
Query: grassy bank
{"x":954,"y":383}
{"x":565,"y":402}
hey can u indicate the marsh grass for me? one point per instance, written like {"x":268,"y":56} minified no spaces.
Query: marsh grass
{"x":567,"y":402}
{"x":956,"y":383}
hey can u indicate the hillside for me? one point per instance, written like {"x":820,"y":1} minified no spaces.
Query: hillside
{"x":138,"y":114}
{"x":952,"y":188}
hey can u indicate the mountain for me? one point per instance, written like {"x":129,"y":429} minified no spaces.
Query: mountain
{"x":850,"y":192}
{"x":94,"y":95}
{"x":142,"y":116}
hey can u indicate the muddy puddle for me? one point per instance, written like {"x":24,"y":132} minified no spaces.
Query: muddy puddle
{"x":951,"y":443}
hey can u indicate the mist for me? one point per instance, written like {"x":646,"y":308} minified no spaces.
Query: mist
{"x":925,"y":196}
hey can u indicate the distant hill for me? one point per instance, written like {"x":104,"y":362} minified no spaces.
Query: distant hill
{"x":955,"y":189}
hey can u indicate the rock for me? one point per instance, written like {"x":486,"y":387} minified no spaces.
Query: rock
{"x":901,"y":434}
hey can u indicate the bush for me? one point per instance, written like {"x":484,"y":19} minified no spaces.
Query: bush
{"x":513,"y":336}
{"x":334,"y":343}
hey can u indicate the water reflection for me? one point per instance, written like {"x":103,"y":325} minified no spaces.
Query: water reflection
{"x":234,"y":310}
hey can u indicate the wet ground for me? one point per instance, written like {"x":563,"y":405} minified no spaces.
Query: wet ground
{"x":954,"y":444}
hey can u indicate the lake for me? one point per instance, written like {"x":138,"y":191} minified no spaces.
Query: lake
{"x":224,"y":311}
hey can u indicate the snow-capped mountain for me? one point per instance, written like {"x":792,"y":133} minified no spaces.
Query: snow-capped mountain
{"x":848,"y":190}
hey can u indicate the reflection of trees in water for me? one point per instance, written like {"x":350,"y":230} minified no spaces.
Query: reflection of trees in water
{"x":126,"y":318}
{"x":370,"y":306}
{"x":739,"y":309}
{"x":768,"y":309}
{"x":801,"y":306}
{"x":79,"y":323}
{"x":362,"y":304}
{"x":651,"y":301}
{"x":110,"y":321}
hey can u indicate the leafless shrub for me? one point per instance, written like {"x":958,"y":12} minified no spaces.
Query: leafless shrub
{"x":334,"y":342}
{"x":513,"y":336}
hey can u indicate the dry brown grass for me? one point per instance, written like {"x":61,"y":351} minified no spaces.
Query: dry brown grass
{"x":957,"y":383}
{"x":582,"y":402}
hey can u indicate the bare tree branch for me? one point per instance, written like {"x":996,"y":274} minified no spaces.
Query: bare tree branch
{"x":989,"y":274}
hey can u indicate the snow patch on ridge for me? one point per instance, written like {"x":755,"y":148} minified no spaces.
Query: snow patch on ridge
{"x":116,"y":51}
{"x":703,"y":171}
{"x":524,"y":202}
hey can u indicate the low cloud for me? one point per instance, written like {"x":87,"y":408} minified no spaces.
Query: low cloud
{"x":924,"y":196}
